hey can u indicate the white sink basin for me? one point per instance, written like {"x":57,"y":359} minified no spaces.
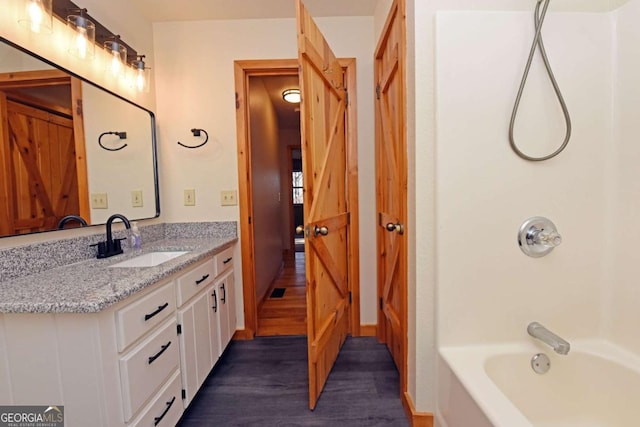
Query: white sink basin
{"x":150,"y":259}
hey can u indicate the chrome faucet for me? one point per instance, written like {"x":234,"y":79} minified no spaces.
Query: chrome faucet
{"x":538,"y":331}
{"x":111,"y":246}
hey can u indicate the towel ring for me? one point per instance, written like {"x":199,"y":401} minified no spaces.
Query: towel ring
{"x":196,"y":132}
{"x":121,"y":135}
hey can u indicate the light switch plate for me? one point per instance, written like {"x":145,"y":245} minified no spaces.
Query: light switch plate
{"x":99,"y":201}
{"x":228,"y":198}
{"x":190,"y":197}
{"x":136,"y":198}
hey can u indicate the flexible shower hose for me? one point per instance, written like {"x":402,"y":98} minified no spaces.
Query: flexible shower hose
{"x":537,"y":41}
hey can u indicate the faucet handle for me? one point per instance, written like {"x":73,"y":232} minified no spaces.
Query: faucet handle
{"x":102,"y":248}
{"x":538,"y":236}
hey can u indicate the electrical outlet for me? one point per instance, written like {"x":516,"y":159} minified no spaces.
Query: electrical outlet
{"x":136,"y":198}
{"x":228,"y":198}
{"x":99,"y":201}
{"x":189,"y":197}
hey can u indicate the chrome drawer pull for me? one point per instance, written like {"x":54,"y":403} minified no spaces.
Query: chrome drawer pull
{"x":157,"y":420}
{"x":160,"y":308}
{"x":164,"y":348}
{"x":205,"y":277}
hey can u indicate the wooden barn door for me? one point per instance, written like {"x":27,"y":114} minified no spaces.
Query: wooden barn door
{"x":41,"y":165}
{"x":326,"y":212}
{"x":391,"y":188}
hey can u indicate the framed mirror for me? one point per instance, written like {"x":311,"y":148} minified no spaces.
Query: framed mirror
{"x":69,"y":147}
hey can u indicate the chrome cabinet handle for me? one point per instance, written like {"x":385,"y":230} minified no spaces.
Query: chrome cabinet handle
{"x":391,"y":227}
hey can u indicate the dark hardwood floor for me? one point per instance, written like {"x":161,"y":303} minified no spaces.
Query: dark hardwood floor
{"x":263,"y":382}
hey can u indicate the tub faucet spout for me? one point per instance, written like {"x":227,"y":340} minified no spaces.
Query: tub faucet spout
{"x":538,"y":331}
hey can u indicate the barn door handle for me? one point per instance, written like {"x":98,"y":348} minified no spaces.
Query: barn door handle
{"x":320,"y":230}
{"x":391,"y":227}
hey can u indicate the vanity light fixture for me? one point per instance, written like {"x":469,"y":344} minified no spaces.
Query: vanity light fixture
{"x":37,"y":15}
{"x":118,"y":56}
{"x":83,"y":38}
{"x":292,"y":96}
{"x":142,"y":74}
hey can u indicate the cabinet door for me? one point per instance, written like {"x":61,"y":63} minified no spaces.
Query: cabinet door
{"x":223,"y":311}
{"x":195,"y":349}
{"x":214,"y":322}
{"x":231,"y":303}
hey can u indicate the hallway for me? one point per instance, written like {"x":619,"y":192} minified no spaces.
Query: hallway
{"x":286,"y":314}
{"x":263,"y":382}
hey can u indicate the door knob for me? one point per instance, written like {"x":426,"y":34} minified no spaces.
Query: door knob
{"x":320,"y":230}
{"x":391,"y":227}
{"x":299,"y":229}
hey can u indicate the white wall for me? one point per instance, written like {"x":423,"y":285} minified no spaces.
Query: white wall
{"x":623,"y":291}
{"x":196,"y":88}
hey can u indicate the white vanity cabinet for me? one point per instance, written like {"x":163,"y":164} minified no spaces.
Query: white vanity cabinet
{"x":138,"y":362}
{"x":203,"y":319}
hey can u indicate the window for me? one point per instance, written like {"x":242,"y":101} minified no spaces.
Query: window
{"x":296,"y":180}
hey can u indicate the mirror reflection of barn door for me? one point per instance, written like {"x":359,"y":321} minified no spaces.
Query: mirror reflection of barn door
{"x":326,"y":207}
{"x":391,"y":173}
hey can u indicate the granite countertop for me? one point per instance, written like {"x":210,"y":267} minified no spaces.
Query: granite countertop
{"x":91,"y":286}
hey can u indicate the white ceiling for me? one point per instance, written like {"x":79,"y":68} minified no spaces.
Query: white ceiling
{"x":192,"y":10}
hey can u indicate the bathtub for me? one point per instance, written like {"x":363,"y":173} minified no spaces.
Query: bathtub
{"x":596,"y":384}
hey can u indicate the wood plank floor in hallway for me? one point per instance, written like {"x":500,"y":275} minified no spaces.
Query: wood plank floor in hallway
{"x":263,"y":382}
{"x":286,"y":315}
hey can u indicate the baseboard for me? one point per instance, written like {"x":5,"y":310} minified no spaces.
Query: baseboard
{"x":416,"y":419}
{"x":243,"y":334}
{"x":369,"y":330}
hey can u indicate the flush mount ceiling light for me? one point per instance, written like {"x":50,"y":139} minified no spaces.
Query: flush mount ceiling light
{"x":37,"y":15}
{"x":292,"y":96}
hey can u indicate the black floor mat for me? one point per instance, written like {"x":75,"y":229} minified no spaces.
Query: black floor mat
{"x":277,"y":293}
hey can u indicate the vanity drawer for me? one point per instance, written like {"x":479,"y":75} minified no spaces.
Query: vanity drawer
{"x":147,"y":366}
{"x":195,"y":280}
{"x":138,"y":318}
{"x":224,"y":260}
{"x":166,"y":408}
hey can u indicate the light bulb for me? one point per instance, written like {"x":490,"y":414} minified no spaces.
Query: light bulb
{"x":81,"y":42}
{"x":36,"y":15}
{"x":116,"y":64}
{"x":140,"y":80}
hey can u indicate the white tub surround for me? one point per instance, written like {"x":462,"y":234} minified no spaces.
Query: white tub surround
{"x":596,"y":385}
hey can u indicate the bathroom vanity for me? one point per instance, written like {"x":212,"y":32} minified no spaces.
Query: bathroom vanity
{"x":118,"y":346}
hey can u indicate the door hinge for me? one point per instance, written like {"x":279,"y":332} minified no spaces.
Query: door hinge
{"x":380,"y":303}
{"x":237,"y":101}
{"x":379,"y":218}
{"x":79,"y":107}
{"x":184,"y":393}
{"x":378,"y":90}
{"x":346,"y":97}
{"x":249,"y":220}
{"x":179,"y":329}
{"x":350,"y":297}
